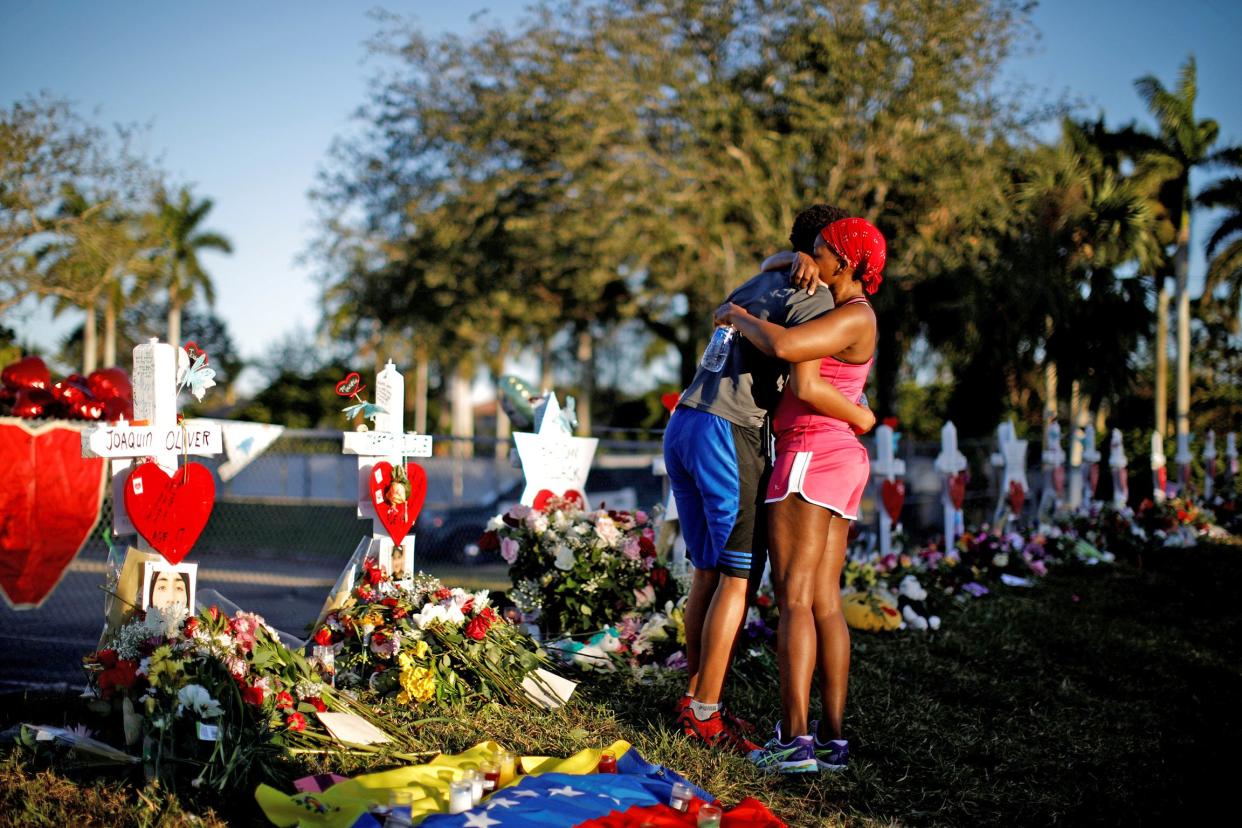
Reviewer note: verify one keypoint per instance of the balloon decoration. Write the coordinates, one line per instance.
(29, 392)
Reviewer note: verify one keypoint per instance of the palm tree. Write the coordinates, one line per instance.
(180, 239)
(1181, 144)
(1224, 246)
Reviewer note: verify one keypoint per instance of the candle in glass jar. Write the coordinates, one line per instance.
(491, 776)
(508, 767)
(679, 799)
(710, 816)
(461, 797)
(607, 762)
(476, 785)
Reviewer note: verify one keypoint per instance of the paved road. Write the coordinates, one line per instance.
(44, 647)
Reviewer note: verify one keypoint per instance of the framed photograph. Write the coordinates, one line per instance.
(166, 585)
(398, 561)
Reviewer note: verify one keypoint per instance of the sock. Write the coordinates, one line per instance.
(703, 711)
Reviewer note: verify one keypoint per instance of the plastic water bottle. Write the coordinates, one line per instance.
(718, 349)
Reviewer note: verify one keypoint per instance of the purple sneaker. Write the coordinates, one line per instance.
(778, 756)
(832, 755)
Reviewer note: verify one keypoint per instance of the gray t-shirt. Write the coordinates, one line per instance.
(750, 384)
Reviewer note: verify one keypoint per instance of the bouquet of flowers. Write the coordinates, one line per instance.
(214, 698)
(577, 571)
(641, 639)
(427, 643)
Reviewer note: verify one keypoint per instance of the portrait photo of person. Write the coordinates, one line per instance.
(167, 586)
(402, 558)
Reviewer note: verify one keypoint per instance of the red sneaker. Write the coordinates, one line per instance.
(736, 722)
(714, 732)
(682, 705)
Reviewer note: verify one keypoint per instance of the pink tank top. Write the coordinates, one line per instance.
(850, 379)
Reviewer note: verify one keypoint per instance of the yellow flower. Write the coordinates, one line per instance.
(418, 684)
(421, 649)
(678, 616)
(164, 669)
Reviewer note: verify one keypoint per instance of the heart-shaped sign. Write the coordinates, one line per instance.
(670, 400)
(957, 489)
(352, 384)
(397, 510)
(170, 511)
(1017, 496)
(50, 497)
(893, 493)
(544, 495)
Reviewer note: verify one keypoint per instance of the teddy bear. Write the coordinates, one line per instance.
(872, 609)
(911, 598)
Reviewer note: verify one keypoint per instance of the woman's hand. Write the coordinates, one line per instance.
(804, 273)
(727, 313)
(864, 421)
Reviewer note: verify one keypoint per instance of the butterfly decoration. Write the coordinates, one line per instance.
(351, 387)
(194, 373)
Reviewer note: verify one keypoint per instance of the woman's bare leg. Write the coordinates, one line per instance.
(797, 531)
(702, 588)
(832, 633)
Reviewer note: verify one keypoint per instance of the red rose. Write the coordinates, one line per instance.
(324, 637)
(490, 615)
(214, 611)
(646, 546)
(489, 542)
(443, 594)
(121, 677)
(467, 607)
(295, 721)
(375, 575)
(252, 695)
(283, 700)
(477, 628)
(659, 577)
(191, 625)
(378, 638)
(399, 612)
(107, 658)
(317, 703)
(389, 602)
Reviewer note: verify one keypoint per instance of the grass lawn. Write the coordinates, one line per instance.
(1101, 696)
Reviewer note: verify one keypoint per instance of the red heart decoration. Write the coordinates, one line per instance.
(893, 493)
(1162, 478)
(352, 384)
(50, 497)
(71, 390)
(670, 400)
(170, 511)
(27, 372)
(397, 519)
(957, 488)
(1093, 478)
(32, 403)
(1017, 496)
(87, 409)
(544, 495)
(109, 383)
(118, 408)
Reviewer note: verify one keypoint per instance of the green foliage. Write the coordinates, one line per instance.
(299, 401)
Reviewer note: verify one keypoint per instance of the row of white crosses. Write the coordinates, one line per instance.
(1184, 458)
(387, 441)
(154, 381)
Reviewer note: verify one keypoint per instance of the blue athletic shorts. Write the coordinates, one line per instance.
(716, 471)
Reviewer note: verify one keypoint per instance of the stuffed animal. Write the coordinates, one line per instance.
(872, 609)
(911, 598)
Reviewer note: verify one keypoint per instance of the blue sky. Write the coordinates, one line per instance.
(244, 99)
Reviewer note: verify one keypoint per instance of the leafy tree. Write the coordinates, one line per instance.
(1224, 247)
(177, 228)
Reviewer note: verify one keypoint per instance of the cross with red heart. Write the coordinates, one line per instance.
(399, 517)
(170, 511)
(893, 493)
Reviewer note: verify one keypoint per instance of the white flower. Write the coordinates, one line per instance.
(564, 558)
(607, 530)
(196, 699)
(496, 524)
(537, 522)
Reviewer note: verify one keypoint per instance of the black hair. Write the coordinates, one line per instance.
(809, 222)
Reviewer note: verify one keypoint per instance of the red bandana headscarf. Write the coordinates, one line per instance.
(862, 246)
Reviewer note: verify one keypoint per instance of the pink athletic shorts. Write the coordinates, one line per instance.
(827, 466)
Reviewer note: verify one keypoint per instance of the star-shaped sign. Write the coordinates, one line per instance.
(552, 460)
(479, 819)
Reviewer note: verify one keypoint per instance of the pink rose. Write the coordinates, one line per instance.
(509, 550)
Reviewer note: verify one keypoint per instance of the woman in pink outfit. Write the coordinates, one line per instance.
(817, 483)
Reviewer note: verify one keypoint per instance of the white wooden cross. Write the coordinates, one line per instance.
(1231, 455)
(552, 458)
(1209, 463)
(1117, 463)
(1090, 471)
(1183, 458)
(1011, 459)
(1053, 458)
(950, 462)
(387, 441)
(886, 467)
(1159, 470)
(154, 380)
